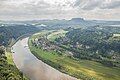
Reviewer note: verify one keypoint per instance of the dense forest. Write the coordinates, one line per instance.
(9, 32)
(96, 43)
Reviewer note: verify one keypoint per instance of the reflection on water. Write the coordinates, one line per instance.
(35, 69)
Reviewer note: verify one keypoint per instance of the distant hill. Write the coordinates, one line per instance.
(55, 23)
(14, 29)
(8, 32)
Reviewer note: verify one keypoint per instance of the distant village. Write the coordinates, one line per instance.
(46, 45)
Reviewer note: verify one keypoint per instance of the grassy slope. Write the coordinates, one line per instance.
(9, 58)
(80, 69)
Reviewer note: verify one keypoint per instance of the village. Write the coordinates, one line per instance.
(44, 44)
(58, 46)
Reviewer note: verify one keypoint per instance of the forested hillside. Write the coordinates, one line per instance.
(9, 32)
(61, 50)
(97, 43)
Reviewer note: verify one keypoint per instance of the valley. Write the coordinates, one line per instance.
(59, 39)
(77, 48)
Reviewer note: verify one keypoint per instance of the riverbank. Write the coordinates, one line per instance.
(9, 54)
(11, 62)
(8, 70)
(35, 69)
(82, 69)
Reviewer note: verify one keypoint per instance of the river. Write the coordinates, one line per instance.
(32, 67)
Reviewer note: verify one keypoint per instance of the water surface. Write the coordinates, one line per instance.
(35, 69)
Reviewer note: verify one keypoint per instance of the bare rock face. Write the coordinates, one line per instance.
(35, 69)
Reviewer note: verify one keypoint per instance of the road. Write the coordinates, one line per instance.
(32, 67)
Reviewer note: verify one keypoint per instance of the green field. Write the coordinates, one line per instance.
(56, 34)
(81, 69)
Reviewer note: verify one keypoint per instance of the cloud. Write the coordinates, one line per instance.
(93, 4)
(111, 5)
(77, 3)
(33, 9)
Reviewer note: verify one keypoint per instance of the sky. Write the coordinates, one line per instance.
(59, 9)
